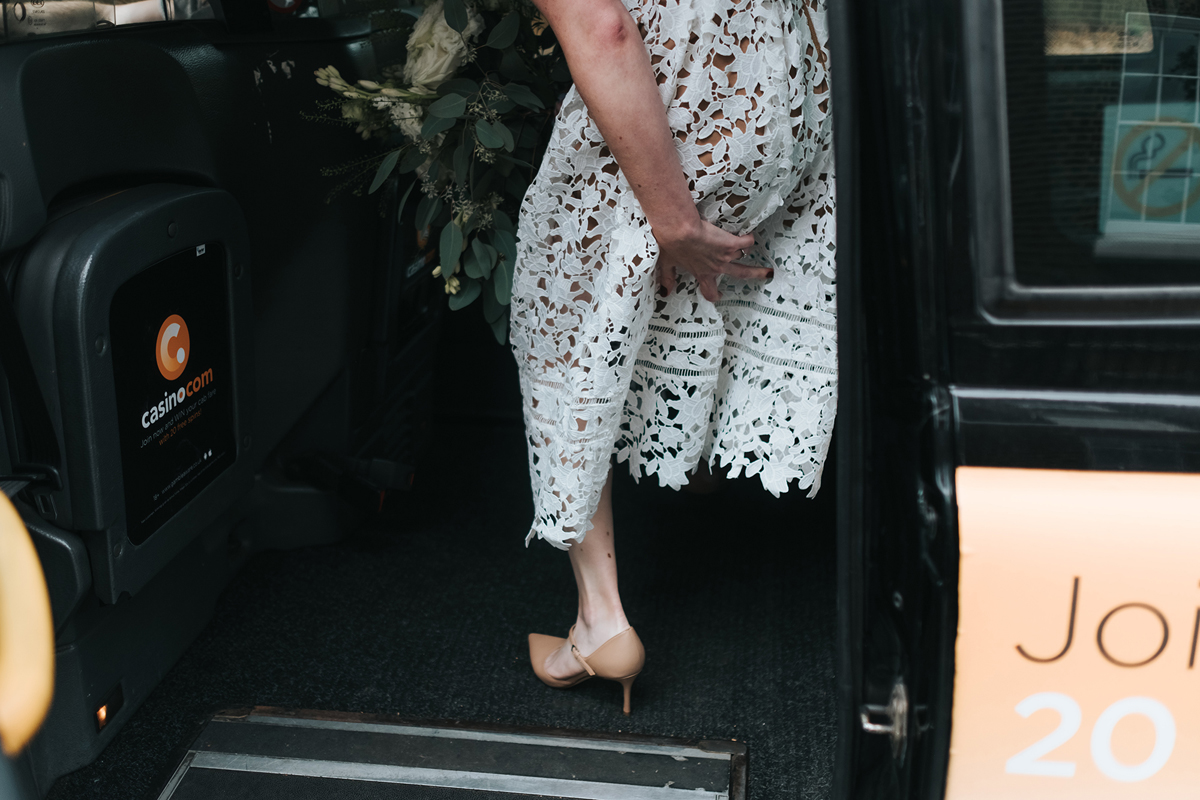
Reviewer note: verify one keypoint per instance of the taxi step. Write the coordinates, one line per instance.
(268, 753)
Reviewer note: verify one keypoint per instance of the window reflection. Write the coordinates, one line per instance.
(25, 18)
(1103, 102)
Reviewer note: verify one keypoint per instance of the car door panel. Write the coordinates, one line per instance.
(987, 320)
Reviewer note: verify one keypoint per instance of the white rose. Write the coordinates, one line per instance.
(407, 118)
(435, 50)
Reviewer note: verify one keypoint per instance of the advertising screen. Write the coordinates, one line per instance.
(174, 383)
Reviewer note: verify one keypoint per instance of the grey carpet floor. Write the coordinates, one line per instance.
(425, 616)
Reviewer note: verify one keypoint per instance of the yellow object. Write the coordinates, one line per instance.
(1079, 615)
(26, 635)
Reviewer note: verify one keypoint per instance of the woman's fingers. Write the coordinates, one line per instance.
(742, 242)
(724, 243)
(707, 256)
(740, 245)
(666, 277)
(745, 272)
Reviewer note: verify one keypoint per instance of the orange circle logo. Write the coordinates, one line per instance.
(173, 348)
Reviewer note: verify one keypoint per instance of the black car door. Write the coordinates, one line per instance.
(1018, 265)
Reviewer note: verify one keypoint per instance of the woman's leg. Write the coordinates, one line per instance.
(600, 613)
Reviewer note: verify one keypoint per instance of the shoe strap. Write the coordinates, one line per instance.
(578, 655)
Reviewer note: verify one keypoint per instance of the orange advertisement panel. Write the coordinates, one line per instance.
(1079, 611)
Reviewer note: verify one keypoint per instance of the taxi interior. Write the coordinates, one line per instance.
(357, 553)
(347, 591)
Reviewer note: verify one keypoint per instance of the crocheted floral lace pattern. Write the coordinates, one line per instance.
(608, 364)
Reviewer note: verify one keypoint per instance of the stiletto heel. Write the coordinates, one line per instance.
(621, 659)
(627, 685)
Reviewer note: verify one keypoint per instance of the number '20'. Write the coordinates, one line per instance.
(1028, 761)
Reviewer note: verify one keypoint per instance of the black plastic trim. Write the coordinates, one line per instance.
(849, 441)
(65, 564)
(1077, 430)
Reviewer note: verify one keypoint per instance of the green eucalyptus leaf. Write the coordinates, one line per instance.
(492, 310)
(484, 256)
(450, 106)
(505, 32)
(435, 169)
(523, 95)
(465, 295)
(427, 211)
(506, 245)
(487, 135)
(462, 160)
(435, 125)
(501, 130)
(502, 283)
(502, 222)
(384, 170)
(500, 329)
(455, 12)
(471, 264)
(450, 247)
(404, 202)
(513, 66)
(423, 211)
(501, 104)
(516, 161)
(412, 159)
(464, 86)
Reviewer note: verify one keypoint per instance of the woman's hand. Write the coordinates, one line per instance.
(705, 251)
(612, 72)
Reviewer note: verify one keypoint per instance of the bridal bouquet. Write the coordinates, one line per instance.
(465, 118)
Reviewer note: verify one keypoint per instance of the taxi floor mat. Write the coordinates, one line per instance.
(267, 753)
(427, 617)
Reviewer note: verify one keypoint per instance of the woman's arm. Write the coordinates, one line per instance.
(612, 72)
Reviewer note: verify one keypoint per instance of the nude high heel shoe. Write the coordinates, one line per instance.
(620, 659)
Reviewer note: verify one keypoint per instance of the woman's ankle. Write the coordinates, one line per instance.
(593, 630)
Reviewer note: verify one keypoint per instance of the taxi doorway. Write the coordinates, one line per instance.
(290, 563)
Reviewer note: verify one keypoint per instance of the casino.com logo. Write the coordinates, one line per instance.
(174, 346)
(171, 351)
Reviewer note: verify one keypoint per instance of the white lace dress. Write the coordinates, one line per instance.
(608, 365)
